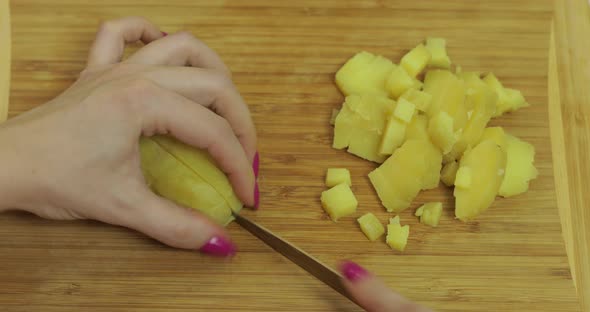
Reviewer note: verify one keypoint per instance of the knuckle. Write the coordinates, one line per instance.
(181, 232)
(221, 82)
(107, 27)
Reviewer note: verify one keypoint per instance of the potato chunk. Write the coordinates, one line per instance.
(486, 163)
(339, 201)
(371, 226)
(438, 53)
(397, 235)
(430, 213)
(448, 95)
(404, 110)
(393, 137)
(335, 176)
(520, 168)
(399, 81)
(449, 172)
(440, 129)
(508, 99)
(415, 60)
(419, 98)
(364, 73)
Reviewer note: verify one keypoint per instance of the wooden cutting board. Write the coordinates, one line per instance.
(284, 55)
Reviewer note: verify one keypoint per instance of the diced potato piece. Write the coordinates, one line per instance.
(397, 235)
(371, 226)
(438, 53)
(514, 99)
(420, 99)
(495, 134)
(430, 213)
(335, 112)
(399, 81)
(508, 99)
(418, 128)
(335, 176)
(364, 73)
(399, 179)
(394, 135)
(360, 124)
(172, 179)
(440, 129)
(463, 177)
(433, 158)
(339, 201)
(404, 110)
(415, 60)
(487, 162)
(482, 101)
(448, 95)
(449, 172)
(520, 168)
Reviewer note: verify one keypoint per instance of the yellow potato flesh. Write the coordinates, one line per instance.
(486, 163)
(448, 95)
(170, 178)
(520, 168)
(364, 73)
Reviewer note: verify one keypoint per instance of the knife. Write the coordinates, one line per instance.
(304, 260)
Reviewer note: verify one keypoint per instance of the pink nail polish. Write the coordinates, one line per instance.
(256, 164)
(352, 271)
(256, 196)
(219, 246)
(164, 33)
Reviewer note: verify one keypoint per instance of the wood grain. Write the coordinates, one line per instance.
(569, 75)
(5, 48)
(284, 55)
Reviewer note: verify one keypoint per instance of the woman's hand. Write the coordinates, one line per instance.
(372, 294)
(77, 156)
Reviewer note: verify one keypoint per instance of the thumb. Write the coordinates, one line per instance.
(178, 226)
(372, 294)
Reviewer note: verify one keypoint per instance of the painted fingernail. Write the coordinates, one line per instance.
(219, 246)
(352, 271)
(164, 33)
(256, 164)
(256, 196)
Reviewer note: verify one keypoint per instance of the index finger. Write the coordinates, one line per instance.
(113, 35)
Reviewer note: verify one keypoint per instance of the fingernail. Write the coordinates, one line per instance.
(352, 271)
(164, 33)
(256, 164)
(219, 246)
(256, 196)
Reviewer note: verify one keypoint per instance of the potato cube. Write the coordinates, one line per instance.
(420, 99)
(336, 176)
(397, 235)
(339, 201)
(364, 73)
(430, 213)
(449, 172)
(514, 99)
(415, 60)
(463, 177)
(438, 53)
(393, 137)
(371, 226)
(404, 110)
(520, 168)
(418, 128)
(440, 129)
(399, 81)
(335, 112)
(448, 95)
(508, 99)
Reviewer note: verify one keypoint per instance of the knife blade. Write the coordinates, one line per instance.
(301, 258)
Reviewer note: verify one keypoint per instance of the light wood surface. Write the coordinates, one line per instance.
(284, 56)
(569, 106)
(5, 48)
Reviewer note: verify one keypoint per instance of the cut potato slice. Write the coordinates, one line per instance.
(404, 110)
(364, 73)
(371, 226)
(393, 137)
(448, 95)
(430, 213)
(449, 172)
(339, 201)
(508, 99)
(520, 168)
(419, 98)
(495, 134)
(440, 130)
(418, 128)
(486, 163)
(399, 81)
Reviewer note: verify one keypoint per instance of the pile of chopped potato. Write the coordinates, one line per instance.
(422, 131)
